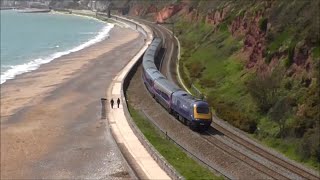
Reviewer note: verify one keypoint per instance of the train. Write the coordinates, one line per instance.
(191, 111)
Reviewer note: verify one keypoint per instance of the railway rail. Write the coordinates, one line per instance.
(256, 157)
(278, 161)
(232, 151)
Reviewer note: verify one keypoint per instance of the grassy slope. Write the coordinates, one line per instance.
(215, 66)
(185, 165)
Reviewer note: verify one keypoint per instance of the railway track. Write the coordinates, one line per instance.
(242, 149)
(277, 161)
(167, 66)
(232, 151)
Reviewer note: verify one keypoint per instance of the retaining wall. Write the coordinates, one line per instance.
(124, 86)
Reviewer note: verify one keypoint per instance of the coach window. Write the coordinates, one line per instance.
(165, 96)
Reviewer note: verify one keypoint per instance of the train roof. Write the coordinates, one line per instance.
(186, 96)
(148, 64)
(148, 57)
(157, 40)
(152, 48)
(155, 74)
(167, 86)
(150, 52)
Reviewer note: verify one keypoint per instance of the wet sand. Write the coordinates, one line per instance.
(51, 124)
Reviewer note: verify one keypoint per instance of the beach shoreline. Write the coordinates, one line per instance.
(41, 108)
(27, 74)
(35, 62)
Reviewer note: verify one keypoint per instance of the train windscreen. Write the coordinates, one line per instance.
(203, 110)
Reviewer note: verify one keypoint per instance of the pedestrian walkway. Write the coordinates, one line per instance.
(122, 131)
(124, 135)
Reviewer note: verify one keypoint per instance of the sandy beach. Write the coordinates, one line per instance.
(51, 124)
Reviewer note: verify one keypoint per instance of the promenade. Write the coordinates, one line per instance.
(137, 156)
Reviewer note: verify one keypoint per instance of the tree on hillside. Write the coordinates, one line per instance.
(280, 113)
(264, 89)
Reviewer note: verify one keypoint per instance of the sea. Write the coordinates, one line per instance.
(29, 40)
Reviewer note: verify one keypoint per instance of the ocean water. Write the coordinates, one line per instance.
(31, 39)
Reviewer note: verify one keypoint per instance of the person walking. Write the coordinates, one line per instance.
(118, 102)
(112, 102)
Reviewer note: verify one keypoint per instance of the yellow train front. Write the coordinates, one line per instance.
(193, 112)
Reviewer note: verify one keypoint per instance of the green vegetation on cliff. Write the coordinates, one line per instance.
(258, 65)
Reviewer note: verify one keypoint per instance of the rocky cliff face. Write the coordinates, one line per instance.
(254, 38)
(167, 12)
(246, 24)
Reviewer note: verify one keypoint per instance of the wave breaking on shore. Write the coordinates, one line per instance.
(36, 63)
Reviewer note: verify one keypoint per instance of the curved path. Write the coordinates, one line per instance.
(51, 124)
(133, 150)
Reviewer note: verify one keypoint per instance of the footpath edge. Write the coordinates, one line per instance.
(125, 80)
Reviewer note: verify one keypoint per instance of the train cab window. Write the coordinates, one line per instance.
(203, 110)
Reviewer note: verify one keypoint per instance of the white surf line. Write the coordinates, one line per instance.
(35, 63)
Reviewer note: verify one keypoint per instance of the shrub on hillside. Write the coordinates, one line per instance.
(289, 61)
(196, 69)
(280, 113)
(301, 126)
(264, 25)
(235, 117)
(264, 90)
(268, 57)
(288, 85)
(308, 112)
(310, 144)
(183, 75)
(207, 82)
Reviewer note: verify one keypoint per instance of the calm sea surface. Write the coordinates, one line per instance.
(29, 40)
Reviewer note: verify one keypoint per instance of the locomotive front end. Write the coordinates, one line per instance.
(202, 115)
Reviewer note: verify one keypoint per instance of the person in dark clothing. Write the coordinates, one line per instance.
(118, 102)
(112, 102)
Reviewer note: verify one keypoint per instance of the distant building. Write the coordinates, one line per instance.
(25, 3)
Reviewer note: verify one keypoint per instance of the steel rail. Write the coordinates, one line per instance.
(267, 155)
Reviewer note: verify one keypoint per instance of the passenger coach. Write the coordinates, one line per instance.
(192, 111)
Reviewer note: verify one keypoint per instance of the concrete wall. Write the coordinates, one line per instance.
(153, 152)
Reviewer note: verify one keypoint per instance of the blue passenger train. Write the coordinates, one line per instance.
(191, 111)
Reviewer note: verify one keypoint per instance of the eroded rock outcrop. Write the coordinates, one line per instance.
(254, 39)
(167, 12)
(215, 17)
